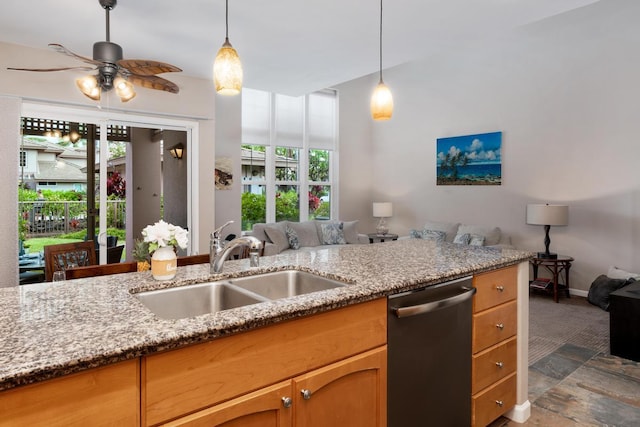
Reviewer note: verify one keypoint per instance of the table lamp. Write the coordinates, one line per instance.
(382, 210)
(547, 215)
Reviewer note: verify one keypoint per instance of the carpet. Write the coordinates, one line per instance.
(571, 321)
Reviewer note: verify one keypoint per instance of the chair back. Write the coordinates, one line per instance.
(192, 259)
(114, 254)
(67, 255)
(100, 270)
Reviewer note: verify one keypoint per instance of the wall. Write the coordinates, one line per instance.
(228, 139)
(563, 92)
(9, 133)
(174, 176)
(196, 101)
(144, 179)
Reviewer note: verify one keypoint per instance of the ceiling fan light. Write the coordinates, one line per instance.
(227, 70)
(88, 85)
(381, 102)
(124, 89)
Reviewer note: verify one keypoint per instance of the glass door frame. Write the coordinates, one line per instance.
(102, 119)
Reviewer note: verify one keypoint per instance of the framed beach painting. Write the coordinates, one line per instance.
(469, 159)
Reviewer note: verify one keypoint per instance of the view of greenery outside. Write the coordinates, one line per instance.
(76, 207)
(287, 198)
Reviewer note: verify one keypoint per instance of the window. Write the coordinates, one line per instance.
(289, 148)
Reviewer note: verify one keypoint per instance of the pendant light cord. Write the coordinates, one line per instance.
(380, 40)
(226, 20)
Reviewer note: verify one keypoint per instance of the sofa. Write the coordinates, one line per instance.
(454, 232)
(283, 236)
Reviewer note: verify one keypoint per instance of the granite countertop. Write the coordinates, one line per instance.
(53, 329)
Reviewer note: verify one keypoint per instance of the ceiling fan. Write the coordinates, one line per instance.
(113, 70)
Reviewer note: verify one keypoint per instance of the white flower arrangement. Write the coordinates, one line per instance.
(163, 234)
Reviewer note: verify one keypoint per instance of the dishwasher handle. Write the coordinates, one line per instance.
(434, 305)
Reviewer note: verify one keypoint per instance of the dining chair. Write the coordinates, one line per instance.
(67, 255)
(192, 259)
(114, 254)
(100, 270)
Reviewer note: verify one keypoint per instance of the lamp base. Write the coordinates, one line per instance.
(547, 255)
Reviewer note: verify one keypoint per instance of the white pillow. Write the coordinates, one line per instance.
(616, 273)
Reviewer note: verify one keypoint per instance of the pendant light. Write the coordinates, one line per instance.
(227, 69)
(381, 100)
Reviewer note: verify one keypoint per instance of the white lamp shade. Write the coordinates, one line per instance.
(547, 214)
(382, 209)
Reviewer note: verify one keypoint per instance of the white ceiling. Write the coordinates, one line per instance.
(286, 46)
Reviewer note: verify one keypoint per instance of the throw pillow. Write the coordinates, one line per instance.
(277, 237)
(616, 273)
(292, 237)
(462, 239)
(602, 287)
(415, 234)
(350, 229)
(438, 236)
(476, 240)
(333, 234)
(307, 233)
(491, 234)
(449, 228)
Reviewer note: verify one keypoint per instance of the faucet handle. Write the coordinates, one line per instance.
(217, 231)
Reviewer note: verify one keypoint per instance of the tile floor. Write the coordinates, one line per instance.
(574, 385)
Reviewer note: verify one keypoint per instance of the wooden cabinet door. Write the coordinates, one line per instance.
(352, 392)
(262, 408)
(109, 395)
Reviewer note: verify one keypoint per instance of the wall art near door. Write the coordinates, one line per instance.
(469, 159)
(224, 173)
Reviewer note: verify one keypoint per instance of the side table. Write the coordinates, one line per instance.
(375, 237)
(555, 266)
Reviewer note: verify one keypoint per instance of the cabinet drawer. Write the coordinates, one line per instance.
(493, 402)
(494, 288)
(185, 380)
(494, 325)
(493, 364)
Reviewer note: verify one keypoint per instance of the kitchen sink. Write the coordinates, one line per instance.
(194, 300)
(283, 284)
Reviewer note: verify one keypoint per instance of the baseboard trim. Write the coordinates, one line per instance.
(579, 292)
(520, 413)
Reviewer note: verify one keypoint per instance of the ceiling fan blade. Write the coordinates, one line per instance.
(52, 69)
(61, 49)
(145, 67)
(153, 82)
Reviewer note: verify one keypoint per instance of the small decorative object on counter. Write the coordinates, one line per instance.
(162, 238)
(141, 255)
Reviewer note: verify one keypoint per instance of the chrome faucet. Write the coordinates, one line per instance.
(219, 251)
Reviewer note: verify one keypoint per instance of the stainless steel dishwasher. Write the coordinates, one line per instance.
(429, 356)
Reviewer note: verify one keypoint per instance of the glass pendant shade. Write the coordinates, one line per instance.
(124, 89)
(381, 102)
(88, 85)
(227, 70)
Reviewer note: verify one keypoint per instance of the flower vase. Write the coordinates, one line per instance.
(164, 264)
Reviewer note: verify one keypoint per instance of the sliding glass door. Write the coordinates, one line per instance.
(104, 178)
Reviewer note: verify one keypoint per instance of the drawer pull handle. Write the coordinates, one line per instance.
(500, 326)
(306, 394)
(287, 402)
(500, 403)
(500, 288)
(500, 364)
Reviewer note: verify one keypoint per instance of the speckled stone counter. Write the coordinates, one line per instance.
(53, 329)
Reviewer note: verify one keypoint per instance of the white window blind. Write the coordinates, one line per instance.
(289, 121)
(322, 112)
(256, 117)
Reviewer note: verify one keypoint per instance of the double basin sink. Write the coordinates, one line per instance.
(202, 298)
